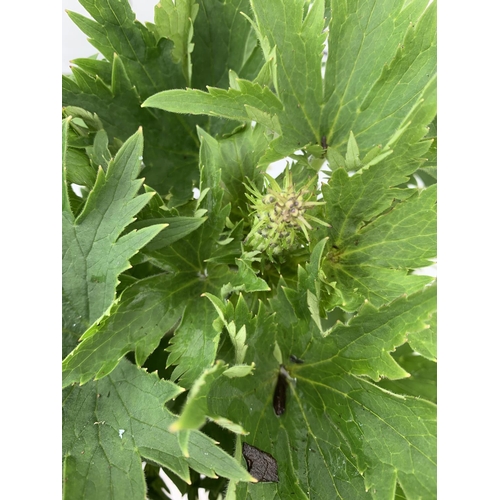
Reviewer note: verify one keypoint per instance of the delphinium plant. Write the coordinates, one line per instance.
(255, 334)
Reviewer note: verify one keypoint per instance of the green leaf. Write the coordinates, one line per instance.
(246, 278)
(81, 171)
(239, 371)
(87, 150)
(94, 254)
(422, 382)
(238, 336)
(352, 161)
(306, 301)
(373, 261)
(298, 43)
(237, 156)
(194, 345)
(251, 101)
(175, 22)
(115, 31)
(178, 228)
(363, 346)
(409, 144)
(145, 312)
(194, 411)
(136, 66)
(223, 40)
(425, 341)
(226, 104)
(110, 426)
(65, 198)
(340, 436)
(349, 100)
(189, 254)
(381, 54)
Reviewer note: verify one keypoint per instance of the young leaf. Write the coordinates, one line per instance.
(111, 425)
(237, 155)
(194, 412)
(174, 21)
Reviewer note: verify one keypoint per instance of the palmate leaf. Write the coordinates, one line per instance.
(340, 436)
(137, 322)
(140, 62)
(139, 66)
(366, 92)
(356, 199)
(94, 253)
(298, 40)
(381, 54)
(353, 201)
(110, 426)
(353, 327)
(152, 306)
(375, 262)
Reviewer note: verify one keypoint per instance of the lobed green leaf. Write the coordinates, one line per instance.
(110, 426)
(339, 436)
(94, 253)
(375, 260)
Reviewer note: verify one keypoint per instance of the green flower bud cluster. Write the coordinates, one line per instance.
(280, 216)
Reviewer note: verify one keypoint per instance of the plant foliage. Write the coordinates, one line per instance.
(181, 311)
